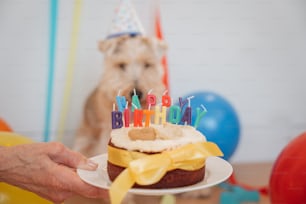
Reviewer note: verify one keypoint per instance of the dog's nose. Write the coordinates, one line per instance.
(138, 93)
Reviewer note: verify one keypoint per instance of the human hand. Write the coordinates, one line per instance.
(47, 169)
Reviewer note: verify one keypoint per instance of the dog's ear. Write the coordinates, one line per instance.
(112, 45)
(106, 46)
(109, 46)
(159, 45)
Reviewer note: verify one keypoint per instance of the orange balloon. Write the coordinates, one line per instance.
(4, 126)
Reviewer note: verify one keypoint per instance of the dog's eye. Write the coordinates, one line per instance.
(122, 66)
(147, 65)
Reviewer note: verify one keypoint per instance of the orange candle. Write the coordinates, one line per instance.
(148, 114)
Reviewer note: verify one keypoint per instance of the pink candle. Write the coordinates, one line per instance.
(151, 99)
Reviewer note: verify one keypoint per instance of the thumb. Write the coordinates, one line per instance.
(62, 155)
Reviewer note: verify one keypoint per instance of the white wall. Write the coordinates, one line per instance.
(252, 52)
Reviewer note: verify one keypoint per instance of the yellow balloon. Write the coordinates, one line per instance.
(11, 139)
(10, 194)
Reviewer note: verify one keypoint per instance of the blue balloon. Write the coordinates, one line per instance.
(220, 124)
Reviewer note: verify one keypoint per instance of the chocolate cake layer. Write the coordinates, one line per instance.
(172, 179)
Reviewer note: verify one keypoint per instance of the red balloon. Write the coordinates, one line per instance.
(288, 177)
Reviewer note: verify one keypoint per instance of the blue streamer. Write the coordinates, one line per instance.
(52, 42)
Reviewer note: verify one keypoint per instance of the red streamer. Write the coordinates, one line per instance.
(263, 190)
(159, 35)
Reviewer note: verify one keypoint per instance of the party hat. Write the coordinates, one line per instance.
(125, 21)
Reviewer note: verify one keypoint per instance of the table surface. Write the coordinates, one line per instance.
(251, 174)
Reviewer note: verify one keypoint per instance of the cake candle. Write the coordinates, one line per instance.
(160, 115)
(166, 99)
(121, 101)
(186, 118)
(148, 113)
(126, 115)
(199, 115)
(135, 101)
(116, 118)
(151, 99)
(138, 115)
(182, 102)
(174, 114)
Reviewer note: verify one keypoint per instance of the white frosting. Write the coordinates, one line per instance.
(168, 137)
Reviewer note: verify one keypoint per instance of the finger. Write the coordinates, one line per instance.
(67, 157)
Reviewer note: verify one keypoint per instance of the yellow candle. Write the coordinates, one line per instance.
(160, 115)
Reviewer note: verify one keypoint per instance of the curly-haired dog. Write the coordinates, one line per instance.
(130, 64)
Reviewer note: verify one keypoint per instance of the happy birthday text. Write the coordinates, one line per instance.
(161, 113)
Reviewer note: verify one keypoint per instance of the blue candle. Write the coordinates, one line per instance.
(135, 102)
(121, 103)
(174, 114)
(200, 115)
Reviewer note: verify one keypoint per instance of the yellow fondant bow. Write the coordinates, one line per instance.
(147, 169)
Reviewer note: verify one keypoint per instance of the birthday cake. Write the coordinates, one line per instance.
(155, 140)
(160, 149)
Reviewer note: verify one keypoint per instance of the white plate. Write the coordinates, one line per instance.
(217, 171)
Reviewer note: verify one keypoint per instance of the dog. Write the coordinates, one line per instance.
(132, 65)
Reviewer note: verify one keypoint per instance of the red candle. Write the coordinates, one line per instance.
(138, 114)
(126, 115)
(166, 100)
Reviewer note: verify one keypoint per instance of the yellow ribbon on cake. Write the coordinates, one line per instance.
(147, 169)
